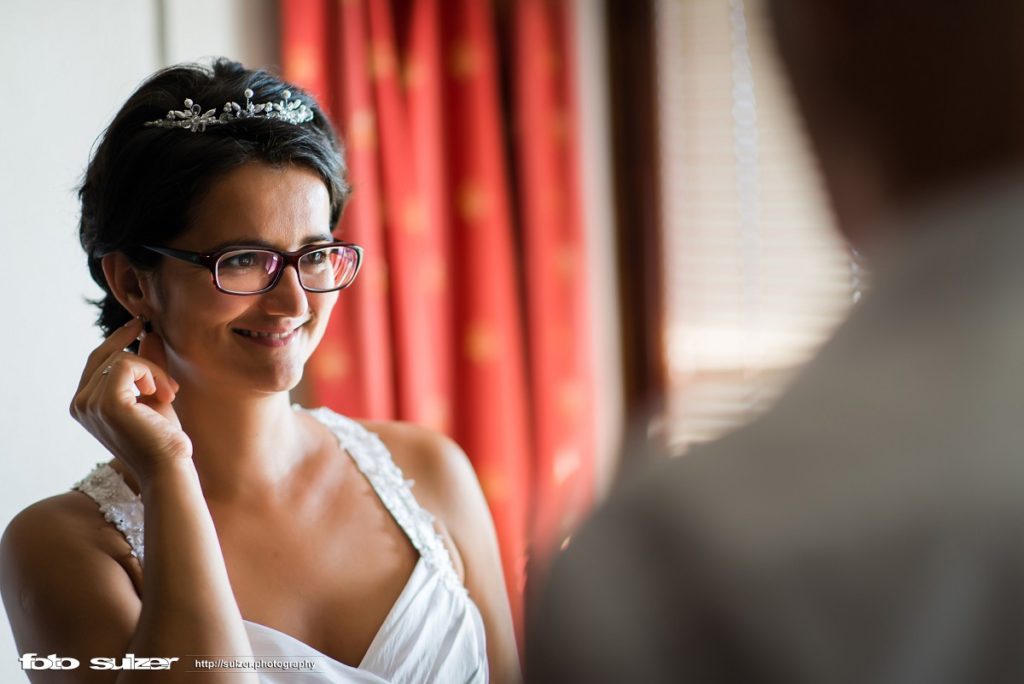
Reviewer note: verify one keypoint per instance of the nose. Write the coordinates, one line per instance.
(287, 298)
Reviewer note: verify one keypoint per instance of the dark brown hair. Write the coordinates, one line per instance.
(143, 182)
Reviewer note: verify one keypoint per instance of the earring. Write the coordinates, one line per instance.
(147, 327)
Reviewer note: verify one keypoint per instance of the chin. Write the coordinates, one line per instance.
(266, 376)
(276, 380)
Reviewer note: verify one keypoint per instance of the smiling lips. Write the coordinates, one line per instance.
(267, 339)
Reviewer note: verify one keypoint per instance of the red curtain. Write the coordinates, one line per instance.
(470, 314)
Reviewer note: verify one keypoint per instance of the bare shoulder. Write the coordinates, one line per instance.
(64, 524)
(444, 481)
(62, 571)
(440, 469)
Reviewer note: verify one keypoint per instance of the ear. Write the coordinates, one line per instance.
(130, 285)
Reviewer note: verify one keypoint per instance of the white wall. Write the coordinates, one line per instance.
(245, 30)
(67, 67)
(598, 200)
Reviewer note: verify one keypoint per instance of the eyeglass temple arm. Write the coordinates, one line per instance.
(190, 257)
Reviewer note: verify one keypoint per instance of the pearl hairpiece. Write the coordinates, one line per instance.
(193, 118)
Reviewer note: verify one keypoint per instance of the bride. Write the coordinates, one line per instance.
(230, 524)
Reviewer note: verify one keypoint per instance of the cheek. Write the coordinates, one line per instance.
(322, 305)
(190, 315)
(191, 296)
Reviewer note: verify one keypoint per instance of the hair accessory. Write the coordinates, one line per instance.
(193, 118)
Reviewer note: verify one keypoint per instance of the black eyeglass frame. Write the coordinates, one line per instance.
(209, 261)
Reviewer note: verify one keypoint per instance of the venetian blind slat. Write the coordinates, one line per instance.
(746, 306)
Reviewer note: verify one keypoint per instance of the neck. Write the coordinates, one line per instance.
(242, 445)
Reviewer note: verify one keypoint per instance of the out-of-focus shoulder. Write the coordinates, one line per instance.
(58, 517)
(63, 570)
(59, 528)
(40, 536)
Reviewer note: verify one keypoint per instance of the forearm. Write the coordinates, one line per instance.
(188, 607)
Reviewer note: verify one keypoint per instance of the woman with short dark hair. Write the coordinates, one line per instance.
(237, 525)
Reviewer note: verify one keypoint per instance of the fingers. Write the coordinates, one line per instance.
(118, 340)
(128, 371)
(152, 349)
(128, 377)
(135, 375)
(126, 400)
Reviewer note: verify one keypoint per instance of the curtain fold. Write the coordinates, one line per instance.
(470, 314)
(546, 145)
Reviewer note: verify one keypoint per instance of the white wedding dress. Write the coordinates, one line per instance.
(433, 633)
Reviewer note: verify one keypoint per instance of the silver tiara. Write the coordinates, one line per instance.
(193, 118)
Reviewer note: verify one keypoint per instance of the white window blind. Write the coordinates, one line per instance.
(756, 275)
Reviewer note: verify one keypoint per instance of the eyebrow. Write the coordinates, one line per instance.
(259, 242)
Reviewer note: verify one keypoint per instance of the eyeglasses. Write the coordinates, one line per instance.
(241, 270)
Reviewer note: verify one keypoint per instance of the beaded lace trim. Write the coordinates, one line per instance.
(123, 508)
(118, 503)
(374, 460)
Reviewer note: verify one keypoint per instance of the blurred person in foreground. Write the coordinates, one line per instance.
(870, 527)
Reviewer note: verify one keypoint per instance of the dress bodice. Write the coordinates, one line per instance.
(433, 632)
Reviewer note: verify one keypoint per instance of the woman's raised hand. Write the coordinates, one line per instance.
(124, 400)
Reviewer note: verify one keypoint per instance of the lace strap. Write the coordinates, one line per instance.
(374, 460)
(117, 502)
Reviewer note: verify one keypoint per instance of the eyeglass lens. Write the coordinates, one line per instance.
(252, 270)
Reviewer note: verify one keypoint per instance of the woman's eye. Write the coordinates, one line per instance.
(318, 257)
(237, 261)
